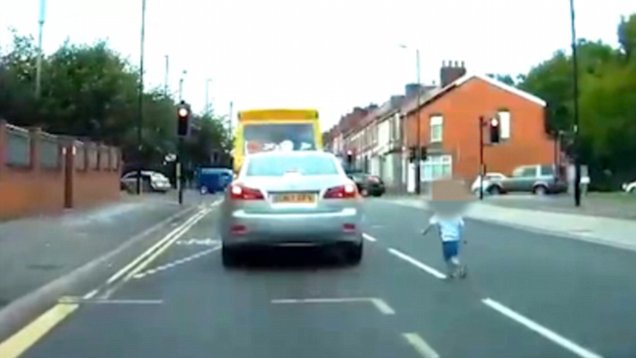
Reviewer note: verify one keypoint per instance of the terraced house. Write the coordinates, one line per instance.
(448, 117)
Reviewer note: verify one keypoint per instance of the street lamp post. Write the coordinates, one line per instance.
(165, 78)
(575, 90)
(140, 117)
(207, 95)
(418, 153)
(38, 69)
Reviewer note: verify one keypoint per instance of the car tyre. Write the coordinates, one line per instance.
(540, 190)
(229, 257)
(493, 190)
(203, 190)
(354, 253)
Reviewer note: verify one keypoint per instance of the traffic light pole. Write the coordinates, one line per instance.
(418, 154)
(481, 158)
(179, 168)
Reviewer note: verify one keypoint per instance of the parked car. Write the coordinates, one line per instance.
(289, 199)
(488, 179)
(150, 181)
(537, 179)
(367, 184)
(630, 187)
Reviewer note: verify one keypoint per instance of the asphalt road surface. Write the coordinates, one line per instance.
(526, 295)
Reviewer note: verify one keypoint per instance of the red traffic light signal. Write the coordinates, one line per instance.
(183, 118)
(494, 130)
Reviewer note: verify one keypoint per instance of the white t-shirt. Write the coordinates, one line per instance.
(450, 228)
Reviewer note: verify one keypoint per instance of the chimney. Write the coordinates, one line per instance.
(451, 71)
(411, 89)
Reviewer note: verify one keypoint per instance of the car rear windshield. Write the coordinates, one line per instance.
(281, 165)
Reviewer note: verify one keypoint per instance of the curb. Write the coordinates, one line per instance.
(585, 238)
(21, 311)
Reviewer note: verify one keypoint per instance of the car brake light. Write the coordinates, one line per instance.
(347, 191)
(240, 192)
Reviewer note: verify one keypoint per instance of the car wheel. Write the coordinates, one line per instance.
(364, 192)
(540, 190)
(494, 190)
(632, 190)
(354, 253)
(230, 257)
(203, 190)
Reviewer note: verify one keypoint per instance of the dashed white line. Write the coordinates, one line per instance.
(545, 332)
(417, 263)
(369, 237)
(420, 345)
(379, 303)
(90, 294)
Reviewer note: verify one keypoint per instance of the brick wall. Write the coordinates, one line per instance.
(461, 108)
(41, 173)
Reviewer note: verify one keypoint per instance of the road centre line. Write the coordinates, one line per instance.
(417, 263)
(379, 303)
(545, 332)
(22, 340)
(420, 345)
(70, 300)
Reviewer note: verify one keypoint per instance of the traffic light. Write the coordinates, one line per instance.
(413, 154)
(494, 128)
(349, 158)
(183, 118)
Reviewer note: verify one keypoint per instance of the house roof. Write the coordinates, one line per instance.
(428, 97)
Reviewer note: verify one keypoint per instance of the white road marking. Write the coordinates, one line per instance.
(201, 242)
(72, 300)
(417, 263)
(545, 332)
(90, 294)
(175, 263)
(154, 247)
(379, 303)
(369, 237)
(420, 345)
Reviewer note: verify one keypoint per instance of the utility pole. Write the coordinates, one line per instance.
(230, 118)
(140, 118)
(575, 90)
(183, 73)
(165, 79)
(482, 124)
(38, 70)
(418, 154)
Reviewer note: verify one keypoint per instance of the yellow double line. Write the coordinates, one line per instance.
(21, 341)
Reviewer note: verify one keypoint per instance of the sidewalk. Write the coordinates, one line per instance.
(609, 231)
(36, 251)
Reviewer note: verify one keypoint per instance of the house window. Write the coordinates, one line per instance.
(436, 127)
(437, 167)
(504, 119)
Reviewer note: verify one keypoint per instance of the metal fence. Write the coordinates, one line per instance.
(18, 146)
(49, 151)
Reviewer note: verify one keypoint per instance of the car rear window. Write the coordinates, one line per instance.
(280, 165)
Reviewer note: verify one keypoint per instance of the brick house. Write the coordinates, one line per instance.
(449, 126)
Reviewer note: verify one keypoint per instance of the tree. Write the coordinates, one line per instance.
(90, 91)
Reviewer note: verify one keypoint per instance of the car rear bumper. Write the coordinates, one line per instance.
(241, 228)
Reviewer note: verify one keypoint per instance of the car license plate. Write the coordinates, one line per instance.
(295, 198)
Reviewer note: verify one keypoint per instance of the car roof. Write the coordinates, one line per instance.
(291, 153)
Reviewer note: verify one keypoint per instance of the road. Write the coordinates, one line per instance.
(527, 295)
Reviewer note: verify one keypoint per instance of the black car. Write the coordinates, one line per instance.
(367, 184)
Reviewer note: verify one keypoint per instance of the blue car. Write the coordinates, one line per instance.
(212, 180)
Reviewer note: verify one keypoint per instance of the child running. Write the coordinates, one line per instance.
(450, 229)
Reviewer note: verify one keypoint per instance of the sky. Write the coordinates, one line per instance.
(331, 55)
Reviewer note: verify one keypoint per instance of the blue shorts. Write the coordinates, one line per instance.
(450, 249)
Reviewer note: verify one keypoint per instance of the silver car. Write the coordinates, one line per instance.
(290, 199)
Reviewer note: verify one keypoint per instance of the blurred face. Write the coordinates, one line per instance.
(450, 198)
